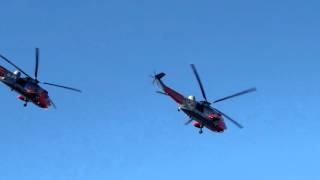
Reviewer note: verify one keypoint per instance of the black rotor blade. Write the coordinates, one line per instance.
(199, 81)
(230, 119)
(37, 64)
(153, 79)
(162, 93)
(237, 94)
(8, 61)
(65, 87)
(52, 103)
(188, 122)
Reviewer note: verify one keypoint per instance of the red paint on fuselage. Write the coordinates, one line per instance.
(41, 99)
(2, 71)
(214, 116)
(197, 124)
(174, 95)
(37, 95)
(220, 127)
(22, 98)
(44, 101)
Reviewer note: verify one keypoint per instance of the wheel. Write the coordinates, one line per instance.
(200, 132)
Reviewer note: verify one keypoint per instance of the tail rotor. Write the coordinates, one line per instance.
(153, 77)
(157, 77)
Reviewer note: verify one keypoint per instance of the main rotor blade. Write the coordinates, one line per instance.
(52, 103)
(8, 61)
(199, 81)
(60, 86)
(37, 64)
(188, 122)
(229, 118)
(237, 94)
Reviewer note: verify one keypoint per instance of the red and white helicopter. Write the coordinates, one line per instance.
(200, 112)
(28, 87)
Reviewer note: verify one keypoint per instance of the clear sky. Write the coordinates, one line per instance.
(118, 128)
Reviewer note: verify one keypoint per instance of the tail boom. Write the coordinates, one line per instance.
(168, 91)
(174, 95)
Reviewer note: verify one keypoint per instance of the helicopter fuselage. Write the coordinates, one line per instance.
(206, 117)
(202, 114)
(29, 90)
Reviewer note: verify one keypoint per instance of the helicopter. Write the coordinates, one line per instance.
(28, 87)
(201, 113)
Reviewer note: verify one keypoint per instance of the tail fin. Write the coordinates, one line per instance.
(157, 79)
(159, 76)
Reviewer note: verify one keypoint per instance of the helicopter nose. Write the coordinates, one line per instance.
(44, 101)
(222, 126)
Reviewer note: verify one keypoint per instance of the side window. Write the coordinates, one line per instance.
(199, 107)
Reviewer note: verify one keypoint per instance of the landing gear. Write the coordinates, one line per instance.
(200, 132)
(25, 104)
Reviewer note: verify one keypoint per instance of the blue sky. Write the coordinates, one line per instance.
(118, 128)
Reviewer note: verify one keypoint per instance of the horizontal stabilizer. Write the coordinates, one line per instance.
(159, 92)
